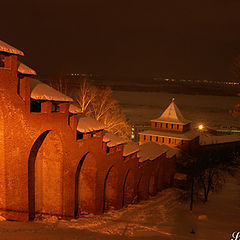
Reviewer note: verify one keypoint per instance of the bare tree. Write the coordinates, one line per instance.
(104, 103)
(218, 163)
(212, 179)
(116, 123)
(96, 102)
(99, 103)
(207, 170)
(86, 96)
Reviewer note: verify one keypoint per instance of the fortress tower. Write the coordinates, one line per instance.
(171, 129)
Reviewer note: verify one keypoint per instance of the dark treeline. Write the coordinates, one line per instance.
(207, 169)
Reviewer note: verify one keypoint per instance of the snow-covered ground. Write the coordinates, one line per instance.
(161, 217)
(141, 107)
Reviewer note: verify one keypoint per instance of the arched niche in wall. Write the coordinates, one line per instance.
(152, 185)
(85, 185)
(110, 200)
(128, 189)
(160, 175)
(45, 169)
(167, 177)
(140, 188)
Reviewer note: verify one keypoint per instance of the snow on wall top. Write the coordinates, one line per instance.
(150, 151)
(42, 91)
(172, 115)
(189, 135)
(24, 69)
(206, 139)
(130, 148)
(112, 139)
(87, 124)
(4, 47)
(170, 151)
(74, 109)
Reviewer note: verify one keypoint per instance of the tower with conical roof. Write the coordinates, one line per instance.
(171, 129)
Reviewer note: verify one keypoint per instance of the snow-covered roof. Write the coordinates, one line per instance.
(189, 135)
(207, 139)
(130, 148)
(42, 91)
(4, 47)
(74, 109)
(24, 69)
(87, 124)
(112, 139)
(150, 151)
(172, 115)
(170, 151)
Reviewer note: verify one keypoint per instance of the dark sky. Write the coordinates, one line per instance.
(183, 39)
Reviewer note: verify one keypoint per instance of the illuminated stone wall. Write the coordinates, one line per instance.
(45, 170)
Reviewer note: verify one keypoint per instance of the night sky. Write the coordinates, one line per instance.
(182, 39)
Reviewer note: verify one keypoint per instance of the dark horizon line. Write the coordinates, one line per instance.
(125, 77)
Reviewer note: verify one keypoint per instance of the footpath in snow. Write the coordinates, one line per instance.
(161, 217)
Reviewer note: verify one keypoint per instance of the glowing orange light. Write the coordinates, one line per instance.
(200, 127)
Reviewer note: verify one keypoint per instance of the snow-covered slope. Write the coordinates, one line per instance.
(160, 217)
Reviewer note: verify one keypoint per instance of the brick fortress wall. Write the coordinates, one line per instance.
(44, 169)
